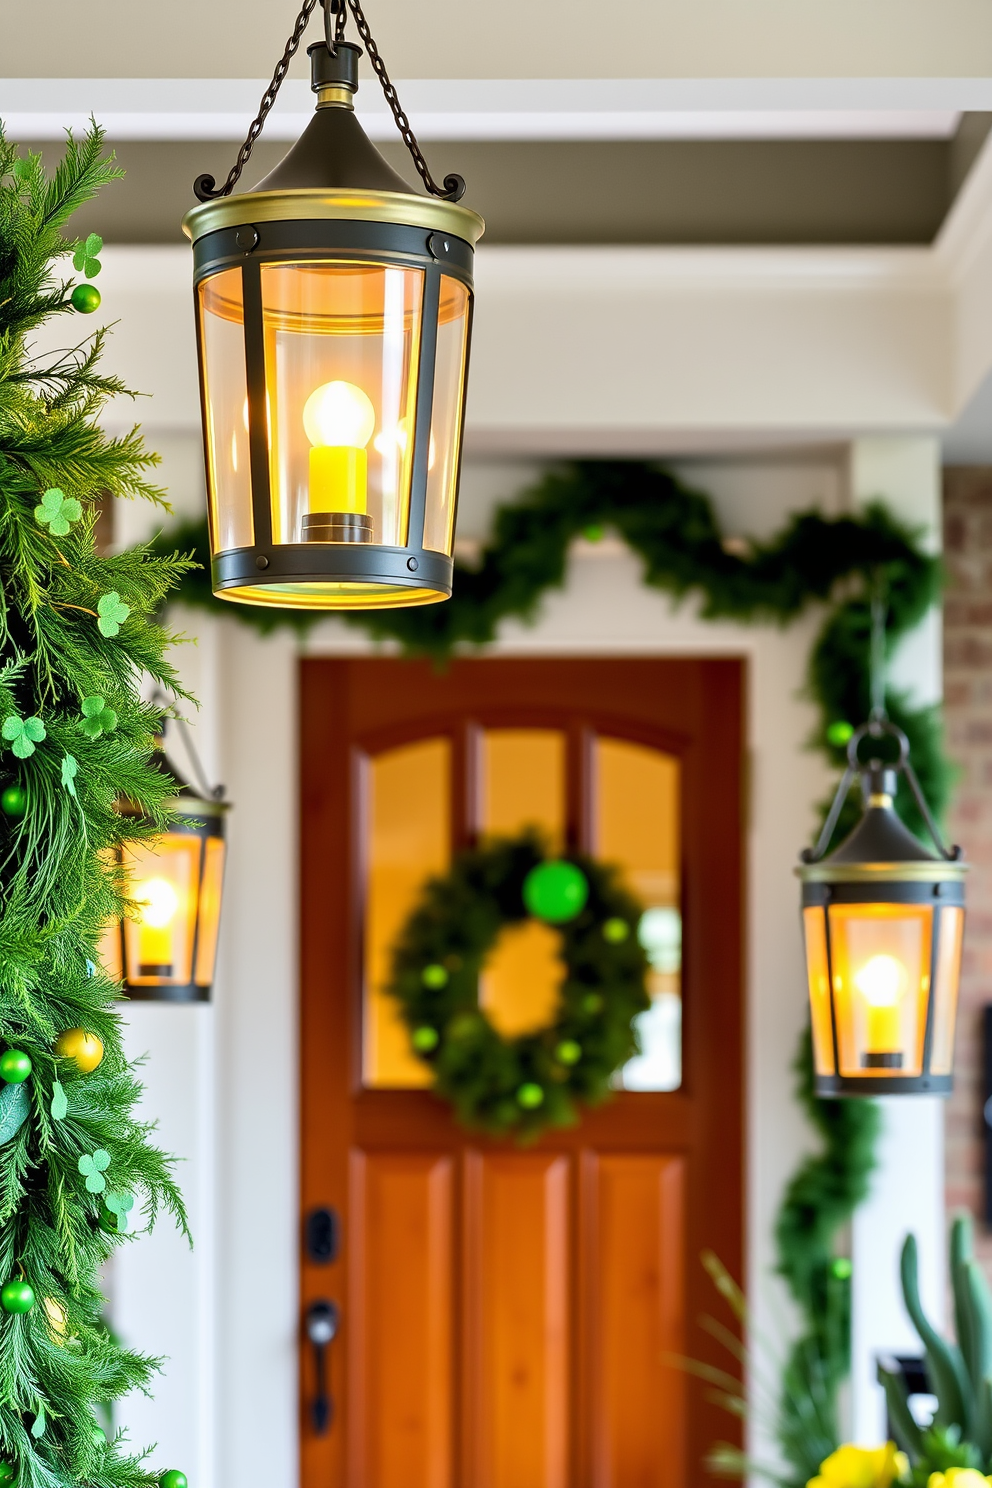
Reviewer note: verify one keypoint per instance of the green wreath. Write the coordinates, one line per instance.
(523, 1084)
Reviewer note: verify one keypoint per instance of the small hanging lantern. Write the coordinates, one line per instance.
(883, 920)
(168, 953)
(333, 310)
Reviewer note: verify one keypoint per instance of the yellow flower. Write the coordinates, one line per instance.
(867, 1467)
(958, 1477)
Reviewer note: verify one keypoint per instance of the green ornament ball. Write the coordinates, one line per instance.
(838, 733)
(15, 1066)
(841, 1268)
(172, 1479)
(568, 1052)
(530, 1096)
(592, 1003)
(616, 931)
(424, 1039)
(14, 801)
(594, 533)
(85, 298)
(434, 977)
(556, 891)
(8, 1472)
(16, 1296)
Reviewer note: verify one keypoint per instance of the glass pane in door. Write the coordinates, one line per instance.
(407, 839)
(523, 785)
(637, 826)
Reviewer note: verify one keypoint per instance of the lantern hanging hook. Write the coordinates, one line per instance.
(205, 187)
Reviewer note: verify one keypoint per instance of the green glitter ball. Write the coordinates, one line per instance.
(838, 733)
(593, 533)
(15, 1066)
(85, 298)
(16, 1296)
(616, 931)
(424, 1039)
(8, 1472)
(555, 891)
(841, 1268)
(14, 801)
(434, 977)
(530, 1096)
(568, 1052)
(592, 1002)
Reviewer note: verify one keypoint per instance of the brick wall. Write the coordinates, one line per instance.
(968, 704)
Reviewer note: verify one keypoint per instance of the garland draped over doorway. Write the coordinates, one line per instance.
(839, 563)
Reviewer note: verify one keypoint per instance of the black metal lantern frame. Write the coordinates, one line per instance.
(904, 906)
(333, 206)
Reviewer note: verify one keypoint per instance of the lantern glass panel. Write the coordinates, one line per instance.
(209, 925)
(447, 416)
(342, 348)
(947, 975)
(880, 956)
(225, 401)
(818, 976)
(164, 878)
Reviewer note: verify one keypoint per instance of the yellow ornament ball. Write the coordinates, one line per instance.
(84, 1048)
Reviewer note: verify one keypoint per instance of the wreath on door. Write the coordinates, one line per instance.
(521, 1084)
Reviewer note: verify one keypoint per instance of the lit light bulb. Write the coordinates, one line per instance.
(159, 905)
(159, 902)
(880, 982)
(339, 419)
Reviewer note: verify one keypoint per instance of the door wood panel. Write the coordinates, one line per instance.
(509, 1315)
(401, 1311)
(517, 1297)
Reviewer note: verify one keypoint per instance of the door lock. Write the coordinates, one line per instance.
(321, 1322)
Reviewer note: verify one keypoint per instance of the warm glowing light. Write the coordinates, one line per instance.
(880, 981)
(159, 902)
(339, 414)
(389, 441)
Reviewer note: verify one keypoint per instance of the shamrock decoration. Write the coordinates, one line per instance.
(22, 734)
(97, 717)
(57, 511)
(70, 769)
(85, 260)
(120, 1205)
(93, 1168)
(112, 613)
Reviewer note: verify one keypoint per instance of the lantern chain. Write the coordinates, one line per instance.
(876, 665)
(205, 187)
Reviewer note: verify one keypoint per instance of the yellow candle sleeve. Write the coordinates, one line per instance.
(884, 1035)
(338, 479)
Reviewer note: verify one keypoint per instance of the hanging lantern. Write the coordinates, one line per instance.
(168, 952)
(884, 922)
(333, 310)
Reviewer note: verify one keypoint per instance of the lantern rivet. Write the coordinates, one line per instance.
(412, 564)
(261, 561)
(247, 238)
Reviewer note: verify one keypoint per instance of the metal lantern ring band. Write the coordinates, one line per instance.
(334, 313)
(883, 920)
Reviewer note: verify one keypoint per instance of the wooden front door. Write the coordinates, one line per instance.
(511, 1317)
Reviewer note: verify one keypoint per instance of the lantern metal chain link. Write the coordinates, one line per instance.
(205, 187)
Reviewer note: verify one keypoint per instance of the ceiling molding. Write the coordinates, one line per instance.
(533, 109)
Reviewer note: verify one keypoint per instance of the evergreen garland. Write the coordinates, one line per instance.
(838, 563)
(78, 633)
(519, 1084)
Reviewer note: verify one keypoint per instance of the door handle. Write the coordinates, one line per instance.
(321, 1322)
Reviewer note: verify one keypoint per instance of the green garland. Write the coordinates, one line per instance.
(837, 563)
(521, 1084)
(78, 634)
